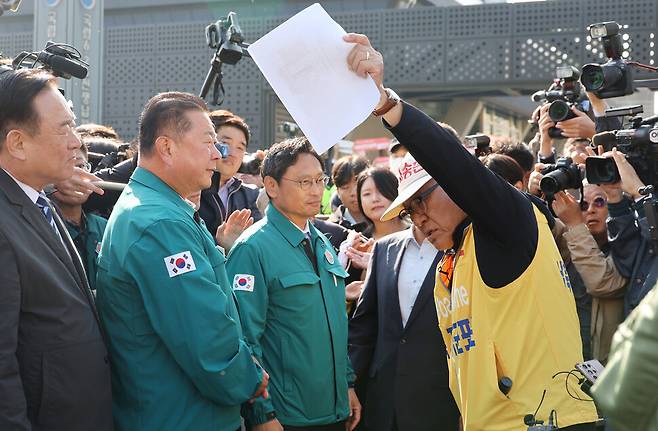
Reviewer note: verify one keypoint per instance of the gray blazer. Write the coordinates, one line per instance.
(54, 369)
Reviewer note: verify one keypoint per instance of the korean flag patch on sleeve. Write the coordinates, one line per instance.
(243, 282)
(180, 263)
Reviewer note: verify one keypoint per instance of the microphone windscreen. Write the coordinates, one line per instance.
(607, 139)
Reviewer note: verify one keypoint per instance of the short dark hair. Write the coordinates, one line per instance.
(100, 145)
(285, 154)
(166, 110)
(222, 117)
(505, 166)
(520, 153)
(347, 168)
(385, 181)
(18, 89)
(96, 131)
(450, 130)
(250, 165)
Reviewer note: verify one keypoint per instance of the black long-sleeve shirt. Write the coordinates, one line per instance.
(504, 224)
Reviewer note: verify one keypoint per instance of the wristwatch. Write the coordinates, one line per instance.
(393, 99)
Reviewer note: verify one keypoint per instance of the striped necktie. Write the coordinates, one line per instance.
(44, 205)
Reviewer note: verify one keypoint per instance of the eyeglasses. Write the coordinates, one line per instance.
(598, 202)
(418, 204)
(306, 184)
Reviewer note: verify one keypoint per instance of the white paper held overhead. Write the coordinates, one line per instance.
(305, 61)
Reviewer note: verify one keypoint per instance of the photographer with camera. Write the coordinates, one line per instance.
(563, 112)
(581, 126)
(500, 271)
(589, 251)
(631, 246)
(249, 172)
(86, 229)
(227, 193)
(114, 167)
(632, 224)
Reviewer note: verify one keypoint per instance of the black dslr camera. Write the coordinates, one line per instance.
(614, 78)
(638, 142)
(225, 37)
(479, 143)
(563, 95)
(562, 175)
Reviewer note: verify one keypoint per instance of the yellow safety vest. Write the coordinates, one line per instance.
(527, 331)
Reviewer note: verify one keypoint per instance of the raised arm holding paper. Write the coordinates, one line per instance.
(500, 261)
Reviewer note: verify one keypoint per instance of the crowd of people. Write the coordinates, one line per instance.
(177, 282)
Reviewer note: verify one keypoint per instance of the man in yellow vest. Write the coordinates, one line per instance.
(504, 302)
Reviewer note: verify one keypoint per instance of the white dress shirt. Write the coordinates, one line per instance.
(223, 192)
(29, 191)
(416, 262)
(33, 195)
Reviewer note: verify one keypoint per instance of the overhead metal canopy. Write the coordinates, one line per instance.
(431, 52)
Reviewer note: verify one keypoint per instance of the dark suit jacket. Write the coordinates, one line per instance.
(240, 196)
(406, 368)
(54, 372)
(334, 232)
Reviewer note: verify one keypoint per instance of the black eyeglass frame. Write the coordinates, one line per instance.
(407, 211)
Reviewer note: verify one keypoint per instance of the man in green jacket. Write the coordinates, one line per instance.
(627, 391)
(86, 229)
(291, 291)
(179, 360)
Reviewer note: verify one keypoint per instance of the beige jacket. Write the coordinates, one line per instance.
(603, 282)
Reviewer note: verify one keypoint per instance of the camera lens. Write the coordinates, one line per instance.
(564, 177)
(601, 170)
(559, 111)
(550, 184)
(592, 77)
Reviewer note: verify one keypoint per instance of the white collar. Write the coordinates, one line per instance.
(227, 184)
(306, 231)
(412, 238)
(28, 190)
(348, 217)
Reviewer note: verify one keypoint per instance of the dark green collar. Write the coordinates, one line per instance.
(148, 179)
(290, 232)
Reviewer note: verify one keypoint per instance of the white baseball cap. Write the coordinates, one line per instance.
(411, 177)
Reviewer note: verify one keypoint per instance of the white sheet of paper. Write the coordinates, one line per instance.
(305, 61)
